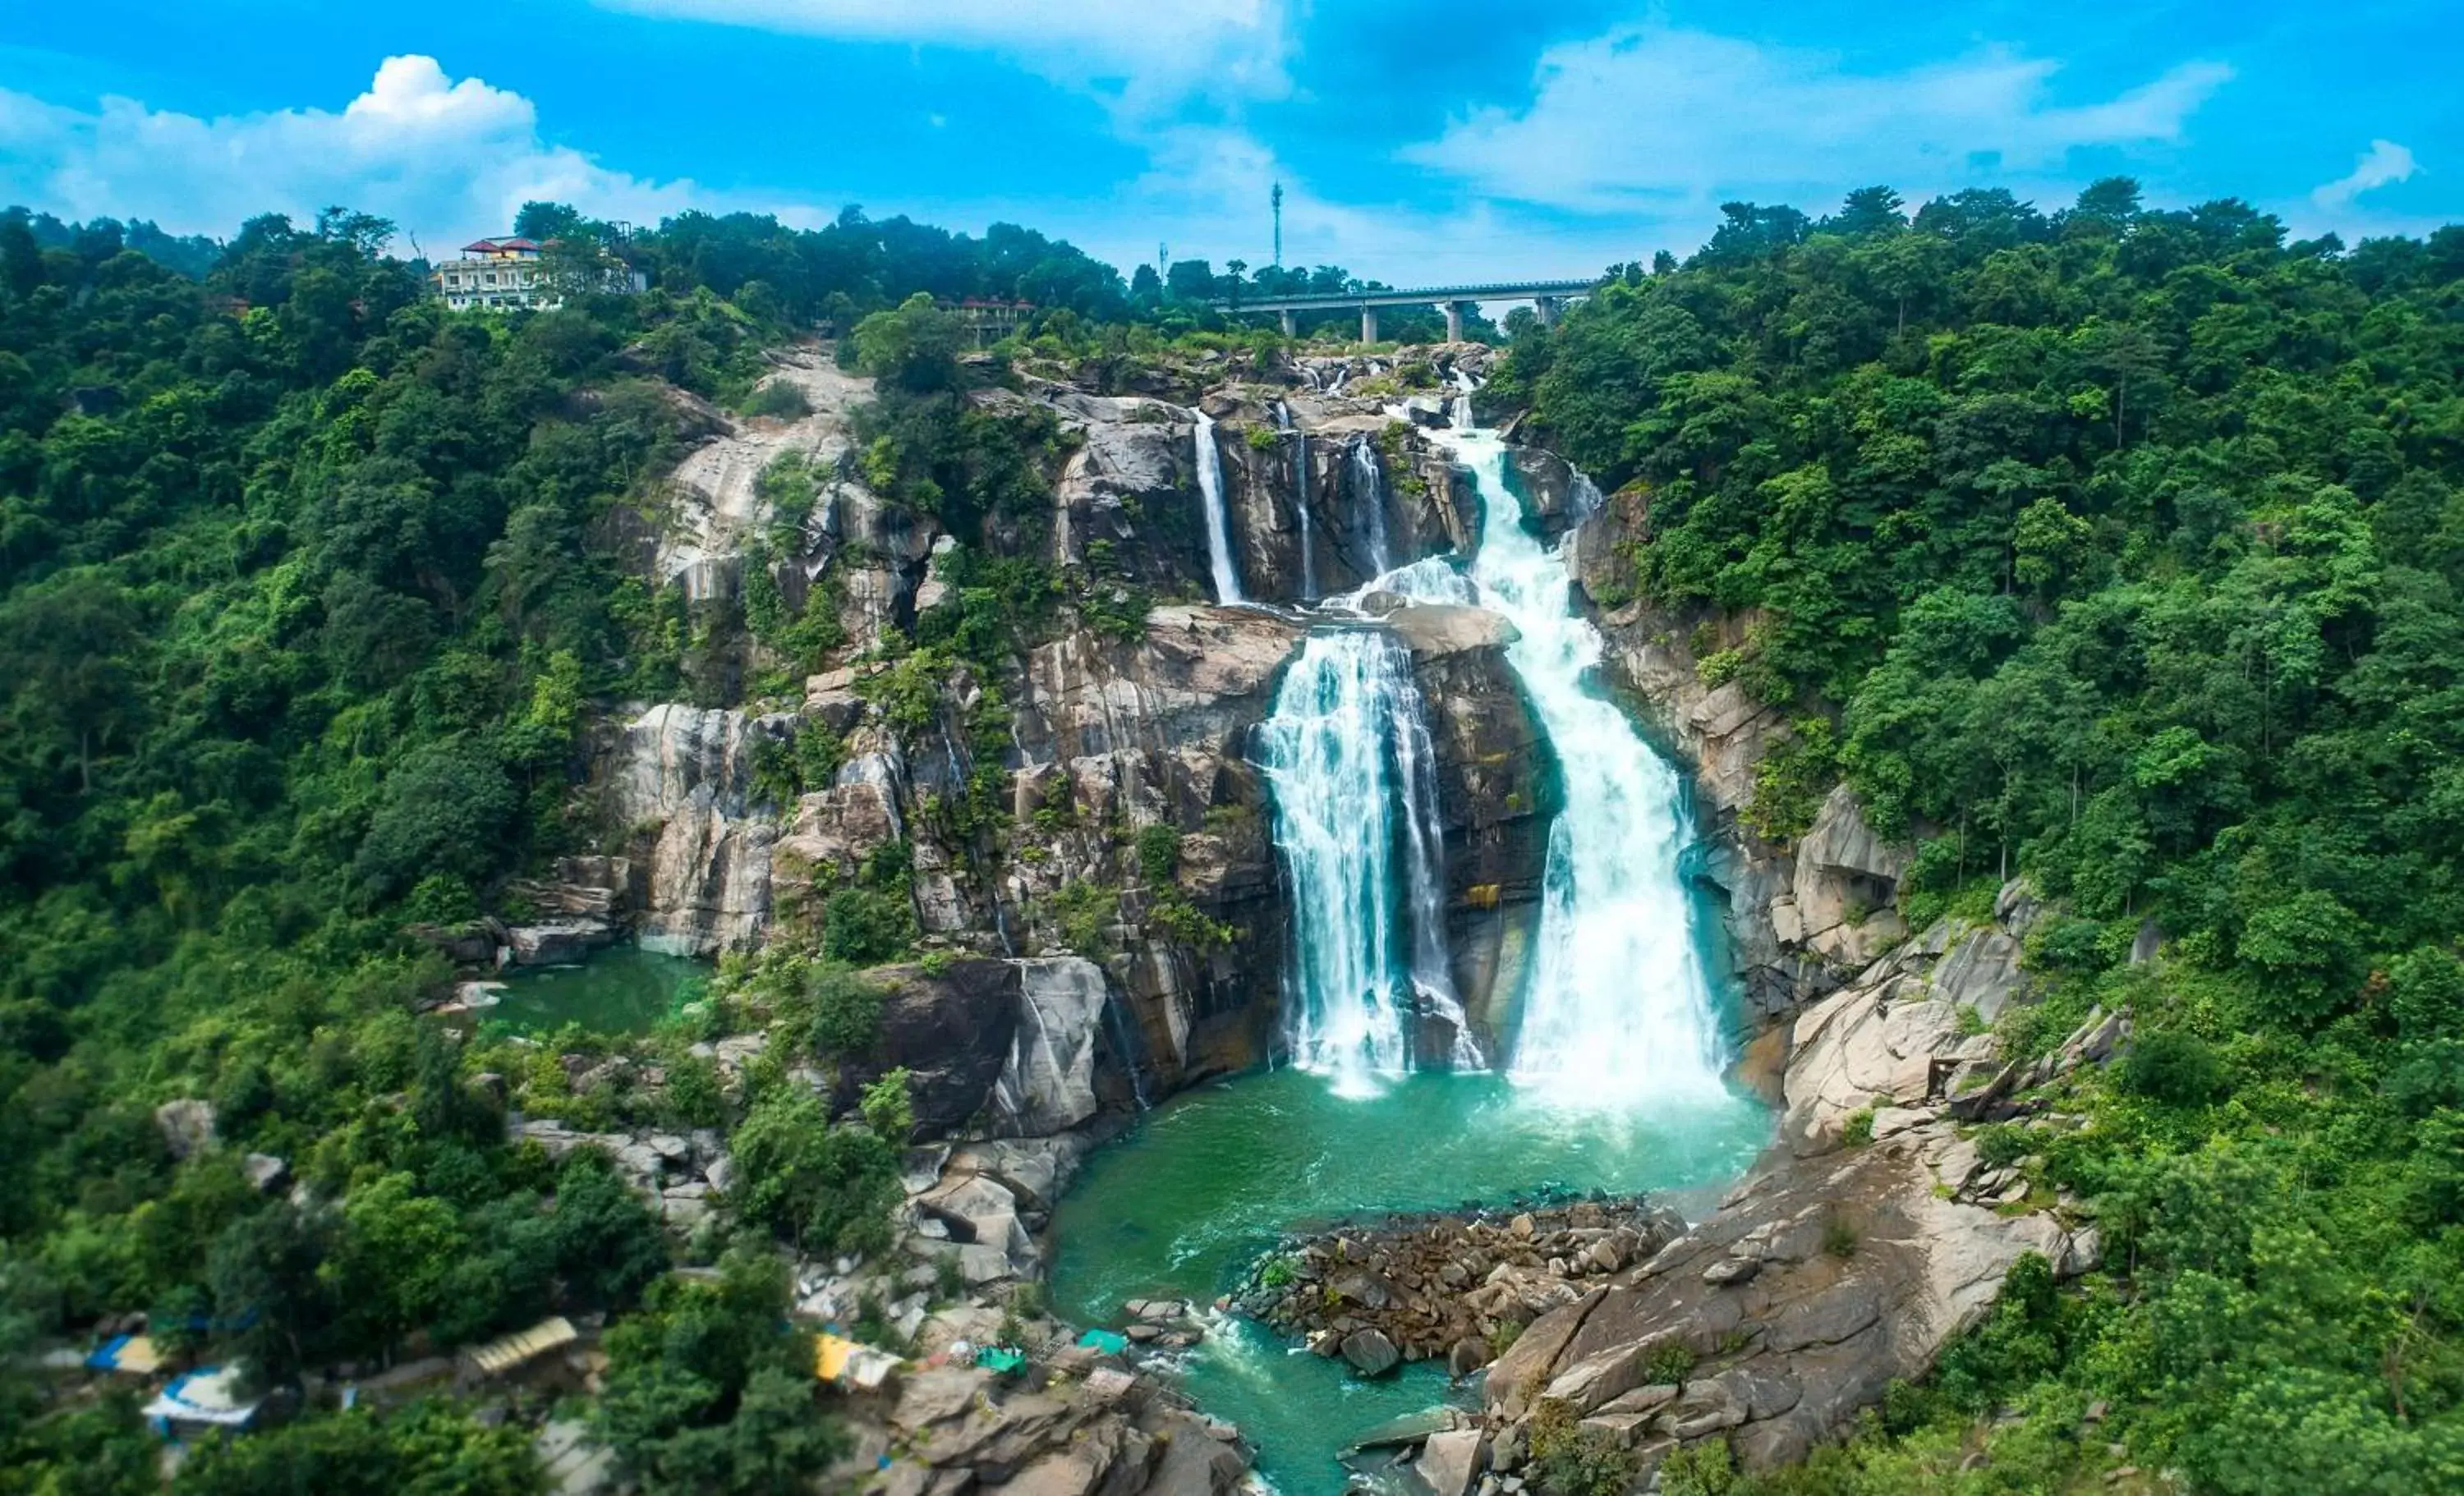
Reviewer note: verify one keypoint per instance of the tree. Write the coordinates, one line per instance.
(448, 807)
(915, 347)
(828, 1187)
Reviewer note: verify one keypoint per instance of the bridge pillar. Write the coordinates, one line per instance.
(1454, 321)
(1291, 327)
(1368, 325)
(1547, 308)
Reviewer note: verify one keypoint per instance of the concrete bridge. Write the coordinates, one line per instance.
(1549, 296)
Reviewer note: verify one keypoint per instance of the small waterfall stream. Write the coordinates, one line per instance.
(1370, 479)
(1219, 528)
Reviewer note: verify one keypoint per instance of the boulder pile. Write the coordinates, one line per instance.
(1450, 1287)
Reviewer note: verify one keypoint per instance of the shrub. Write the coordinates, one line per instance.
(847, 1010)
(1702, 1469)
(1569, 1460)
(1086, 913)
(1858, 1130)
(887, 1107)
(1158, 853)
(1260, 438)
(824, 1188)
(2178, 1069)
(1667, 1362)
(865, 926)
(1839, 1237)
(778, 397)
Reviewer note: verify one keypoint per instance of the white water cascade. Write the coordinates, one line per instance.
(1218, 530)
(1618, 1007)
(1301, 499)
(1346, 755)
(1371, 482)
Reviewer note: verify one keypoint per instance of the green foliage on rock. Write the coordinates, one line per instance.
(826, 1188)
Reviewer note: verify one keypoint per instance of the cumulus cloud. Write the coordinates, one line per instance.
(1651, 116)
(448, 160)
(2385, 163)
(1142, 54)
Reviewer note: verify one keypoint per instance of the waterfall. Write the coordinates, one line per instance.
(1458, 409)
(1371, 480)
(1617, 1006)
(1347, 757)
(1219, 531)
(1301, 500)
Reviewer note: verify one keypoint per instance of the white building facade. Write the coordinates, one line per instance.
(509, 274)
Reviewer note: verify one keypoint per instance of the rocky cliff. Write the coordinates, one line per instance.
(1022, 809)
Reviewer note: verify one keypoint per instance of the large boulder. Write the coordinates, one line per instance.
(951, 1032)
(1847, 883)
(1048, 1084)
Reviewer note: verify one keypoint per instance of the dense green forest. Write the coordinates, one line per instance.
(2120, 548)
(2116, 547)
(307, 582)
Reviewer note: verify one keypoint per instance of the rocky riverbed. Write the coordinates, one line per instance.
(1451, 1288)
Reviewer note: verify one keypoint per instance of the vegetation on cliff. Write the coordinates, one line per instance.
(2119, 548)
(308, 586)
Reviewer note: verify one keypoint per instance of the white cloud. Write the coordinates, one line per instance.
(1144, 55)
(446, 159)
(1649, 115)
(2385, 163)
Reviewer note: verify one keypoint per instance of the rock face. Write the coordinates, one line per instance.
(1154, 734)
(1834, 1268)
(951, 1032)
(1048, 1084)
(681, 779)
(716, 504)
(1103, 1433)
(1496, 799)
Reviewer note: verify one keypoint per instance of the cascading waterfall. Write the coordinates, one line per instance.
(1218, 530)
(1348, 757)
(1371, 480)
(1618, 1007)
(1301, 500)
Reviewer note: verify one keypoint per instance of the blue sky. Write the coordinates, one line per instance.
(1416, 141)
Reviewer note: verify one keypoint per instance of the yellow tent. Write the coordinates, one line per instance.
(830, 1354)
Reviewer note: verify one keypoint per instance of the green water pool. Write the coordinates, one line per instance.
(621, 990)
(1177, 1208)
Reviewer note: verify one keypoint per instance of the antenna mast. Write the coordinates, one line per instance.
(1278, 200)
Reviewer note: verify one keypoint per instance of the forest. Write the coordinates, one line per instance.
(2117, 547)
(2120, 548)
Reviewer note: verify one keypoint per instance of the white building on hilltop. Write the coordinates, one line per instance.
(503, 274)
